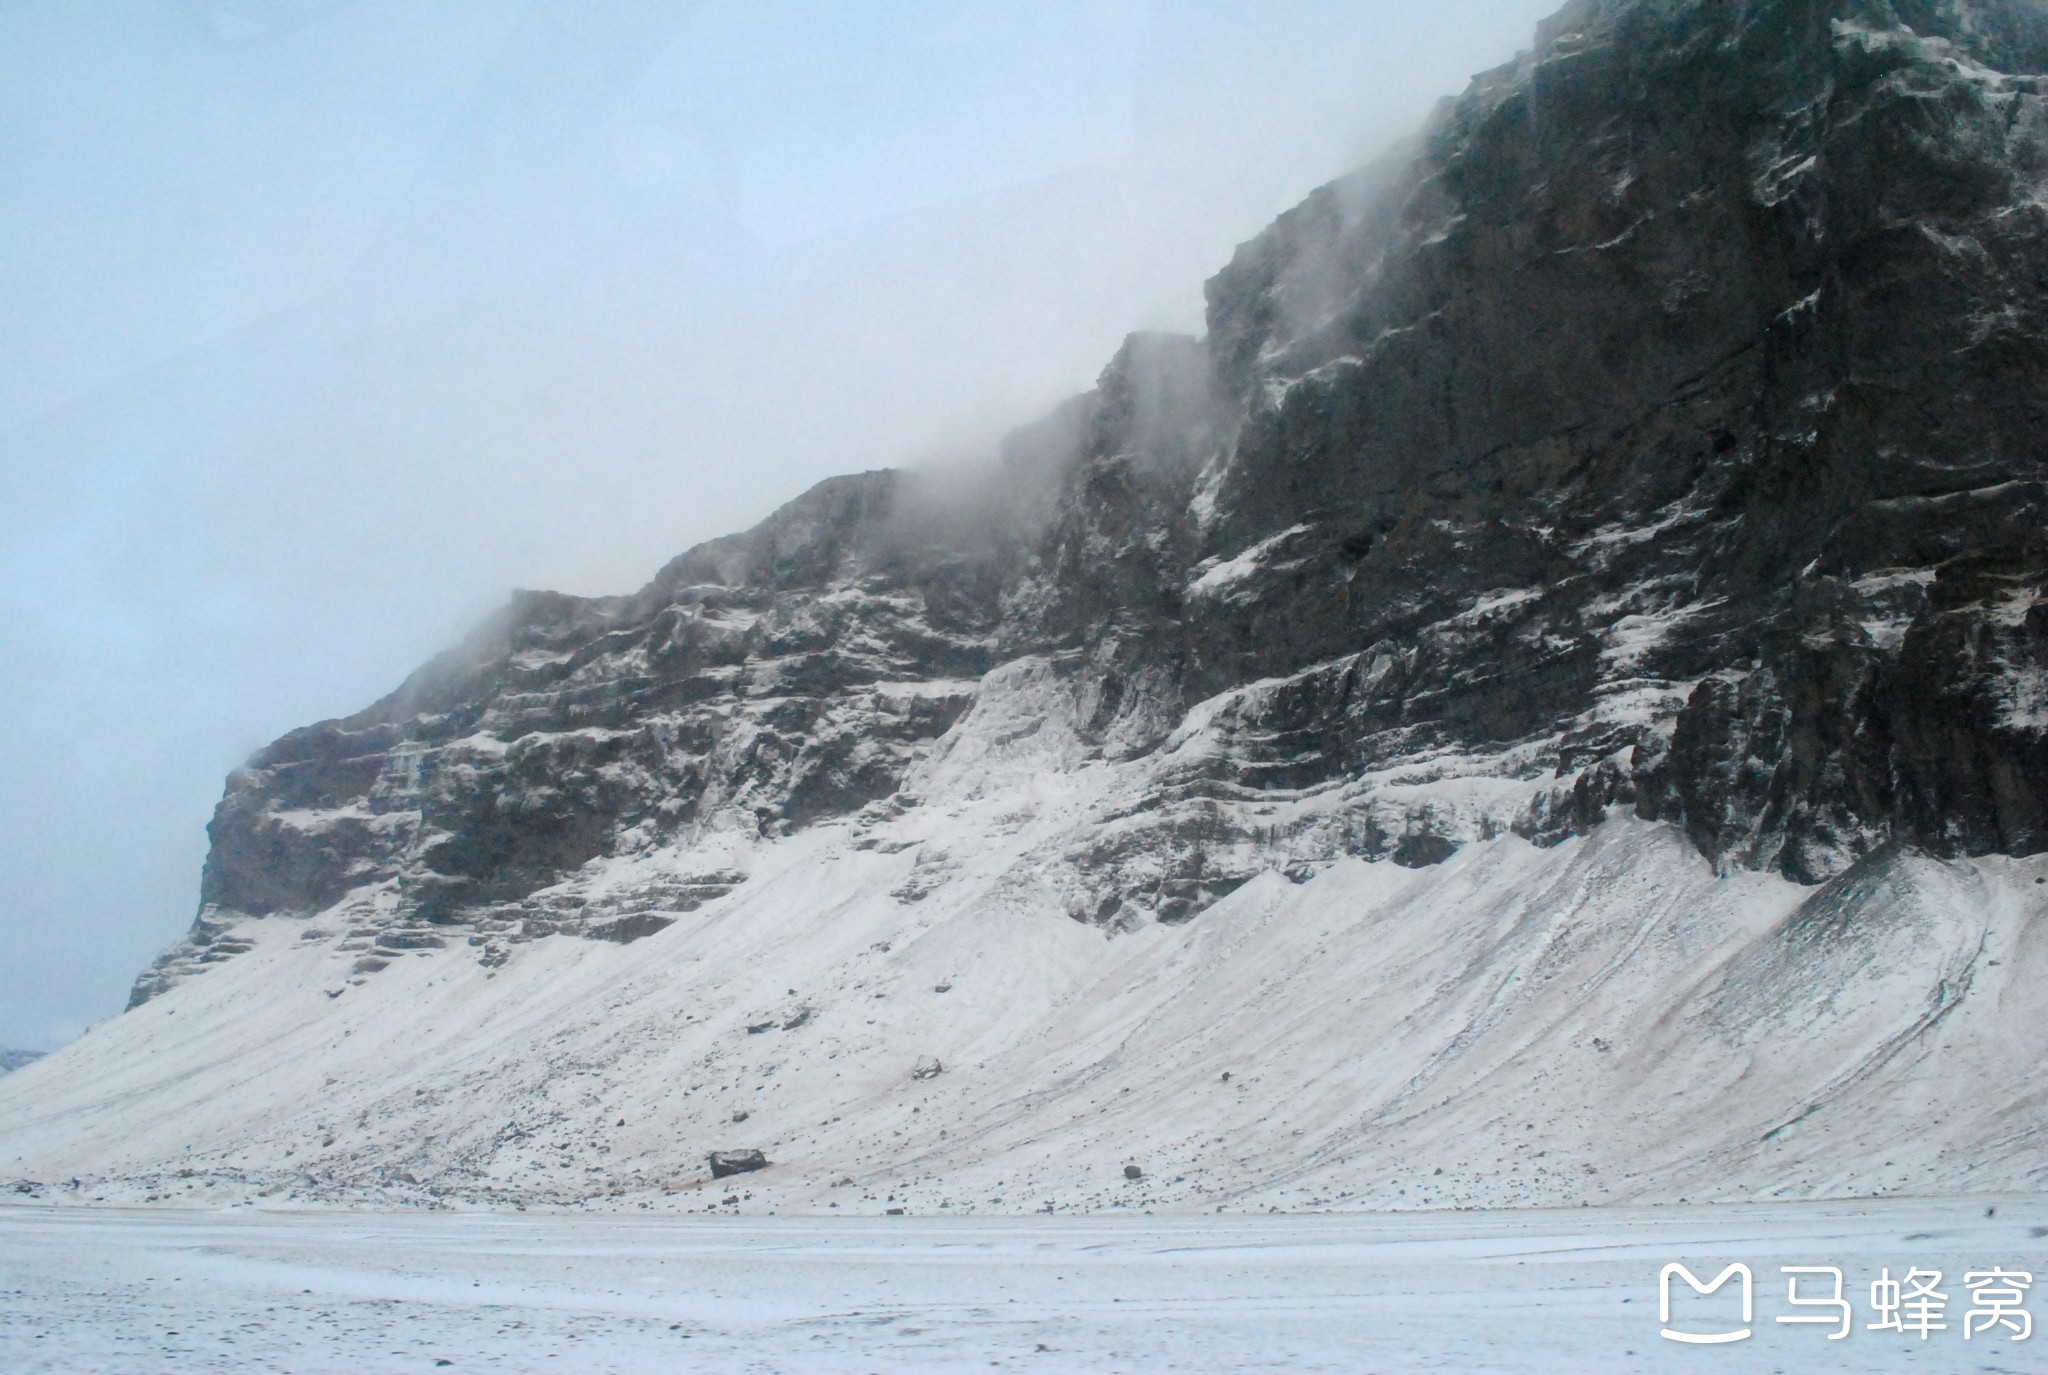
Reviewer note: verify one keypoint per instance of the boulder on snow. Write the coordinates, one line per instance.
(927, 1067)
(724, 1163)
(1133, 1172)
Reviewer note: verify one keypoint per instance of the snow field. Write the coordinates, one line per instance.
(1575, 1290)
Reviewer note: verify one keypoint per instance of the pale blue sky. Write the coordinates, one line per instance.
(327, 323)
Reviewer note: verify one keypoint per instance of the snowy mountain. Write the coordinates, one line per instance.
(1547, 700)
(11, 1060)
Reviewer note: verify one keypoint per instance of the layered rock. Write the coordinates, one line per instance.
(1659, 431)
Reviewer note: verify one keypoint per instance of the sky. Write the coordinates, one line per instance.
(329, 322)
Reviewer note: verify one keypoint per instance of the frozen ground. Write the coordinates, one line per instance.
(117, 1291)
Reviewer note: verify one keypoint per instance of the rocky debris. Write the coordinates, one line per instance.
(927, 1067)
(725, 1163)
(1658, 431)
(792, 1020)
(626, 930)
(209, 941)
(400, 939)
(1133, 1172)
(933, 869)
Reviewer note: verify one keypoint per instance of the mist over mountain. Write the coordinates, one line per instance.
(1546, 699)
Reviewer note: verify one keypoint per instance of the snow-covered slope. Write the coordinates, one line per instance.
(1602, 1019)
(1550, 690)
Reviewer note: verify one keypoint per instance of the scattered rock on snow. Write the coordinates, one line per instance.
(725, 1163)
(927, 1067)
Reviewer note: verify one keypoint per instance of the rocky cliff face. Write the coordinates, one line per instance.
(1661, 432)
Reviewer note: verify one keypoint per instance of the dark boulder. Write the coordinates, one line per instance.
(725, 1163)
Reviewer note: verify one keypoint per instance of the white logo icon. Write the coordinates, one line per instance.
(1697, 1339)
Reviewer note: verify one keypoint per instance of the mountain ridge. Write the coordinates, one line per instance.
(1122, 514)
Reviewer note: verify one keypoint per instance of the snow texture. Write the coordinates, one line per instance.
(1603, 1020)
(1536, 1293)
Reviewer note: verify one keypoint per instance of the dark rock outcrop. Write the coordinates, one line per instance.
(725, 1163)
(1662, 429)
